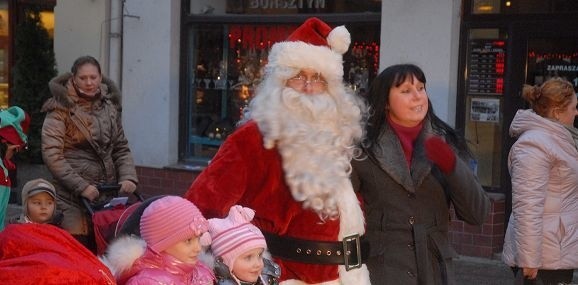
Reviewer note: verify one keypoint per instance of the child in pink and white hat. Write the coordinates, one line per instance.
(239, 247)
(168, 253)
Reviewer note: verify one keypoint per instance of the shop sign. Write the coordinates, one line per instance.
(286, 4)
(562, 67)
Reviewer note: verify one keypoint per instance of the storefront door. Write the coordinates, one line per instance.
(498, 61)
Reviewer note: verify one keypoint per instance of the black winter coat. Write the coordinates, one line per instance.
(407, 212)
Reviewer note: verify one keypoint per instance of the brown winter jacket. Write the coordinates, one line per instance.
(83, 142)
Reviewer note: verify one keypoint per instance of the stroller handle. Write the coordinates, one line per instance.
(105, 189)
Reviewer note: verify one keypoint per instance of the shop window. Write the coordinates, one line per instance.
(6, 41)
(486, 53)
(4, 53)
(225, 64)
(523, 6)
(549, 58)
(486, 6)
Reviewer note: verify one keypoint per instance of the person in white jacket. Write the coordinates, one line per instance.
(542, 235)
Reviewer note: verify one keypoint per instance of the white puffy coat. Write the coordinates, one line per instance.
(543, 163)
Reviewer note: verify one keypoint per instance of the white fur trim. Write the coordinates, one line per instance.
(207, 257)
(358, 276)
(339, 39)
(298, 282)
(121, 254)
(299, 55)
(351, 221)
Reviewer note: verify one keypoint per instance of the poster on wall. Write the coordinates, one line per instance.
(485, 110)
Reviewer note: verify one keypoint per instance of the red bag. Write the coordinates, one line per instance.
(44, 254)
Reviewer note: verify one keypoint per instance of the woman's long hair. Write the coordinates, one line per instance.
(378, 101)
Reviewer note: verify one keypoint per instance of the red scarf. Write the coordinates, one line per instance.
(406, 136)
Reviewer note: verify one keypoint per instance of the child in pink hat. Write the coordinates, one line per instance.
(239, 247)
(168, 253)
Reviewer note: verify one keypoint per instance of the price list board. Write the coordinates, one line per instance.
(486, 64)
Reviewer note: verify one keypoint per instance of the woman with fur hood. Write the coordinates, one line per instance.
(83, 142)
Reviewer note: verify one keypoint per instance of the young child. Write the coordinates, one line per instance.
(171, 229)
(14, 124)
(239, 247)
(38, 202)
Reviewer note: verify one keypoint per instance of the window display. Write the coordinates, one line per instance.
(225, 65)
(486, 67)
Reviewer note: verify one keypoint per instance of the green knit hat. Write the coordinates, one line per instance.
(14, 123)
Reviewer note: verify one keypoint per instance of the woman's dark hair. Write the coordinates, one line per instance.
(378, 100)
(82, 61)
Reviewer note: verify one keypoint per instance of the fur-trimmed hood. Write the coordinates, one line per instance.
(64, 95)
(122, 253)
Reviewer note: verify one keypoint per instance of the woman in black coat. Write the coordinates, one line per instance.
(413, 167)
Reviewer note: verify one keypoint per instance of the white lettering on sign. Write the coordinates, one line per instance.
(286, 4)
(562, 68)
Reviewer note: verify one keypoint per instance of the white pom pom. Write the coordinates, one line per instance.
(339, 39)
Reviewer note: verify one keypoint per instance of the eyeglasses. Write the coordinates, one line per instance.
(316, 81)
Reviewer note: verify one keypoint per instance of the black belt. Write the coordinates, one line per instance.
(351, 252)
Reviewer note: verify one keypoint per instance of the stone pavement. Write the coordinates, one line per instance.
(482, 271)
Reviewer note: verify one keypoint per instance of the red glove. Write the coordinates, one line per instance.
(441, 154)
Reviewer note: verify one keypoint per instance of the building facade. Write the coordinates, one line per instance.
(187, 67)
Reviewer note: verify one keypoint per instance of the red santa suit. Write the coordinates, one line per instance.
(248, 170)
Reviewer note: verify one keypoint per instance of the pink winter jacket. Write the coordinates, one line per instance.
(153, 268)
(133, 263)
(543, 163)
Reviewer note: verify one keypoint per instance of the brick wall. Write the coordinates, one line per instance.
(485, 240)
(164, 181)
(480, 241)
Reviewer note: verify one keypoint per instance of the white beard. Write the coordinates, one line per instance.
(315, 135)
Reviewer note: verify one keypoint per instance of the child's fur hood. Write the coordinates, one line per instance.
(122, 253)
(125, 250)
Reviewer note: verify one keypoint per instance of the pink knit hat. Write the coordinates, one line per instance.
(169, 220)
(235, 235)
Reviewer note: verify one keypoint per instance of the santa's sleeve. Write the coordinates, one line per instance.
(224, 181)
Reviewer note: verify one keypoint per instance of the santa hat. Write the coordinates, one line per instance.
(235, 235)
(313, 45)
(14, 123)
(169, 220)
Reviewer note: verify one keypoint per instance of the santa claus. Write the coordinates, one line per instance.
(289, 160)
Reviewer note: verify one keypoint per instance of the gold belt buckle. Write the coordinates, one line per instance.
(347, 251)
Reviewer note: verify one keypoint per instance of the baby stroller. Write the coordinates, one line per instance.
(107, 215)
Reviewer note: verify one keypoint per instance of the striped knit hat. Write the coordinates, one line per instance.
(235, 235)
(169, 220)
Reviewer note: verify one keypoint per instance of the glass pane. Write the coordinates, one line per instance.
(540, 6)
(524, 7)
(553, 58)
(225, 64)
(485, 6)
(484, 100)
(4, 46)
